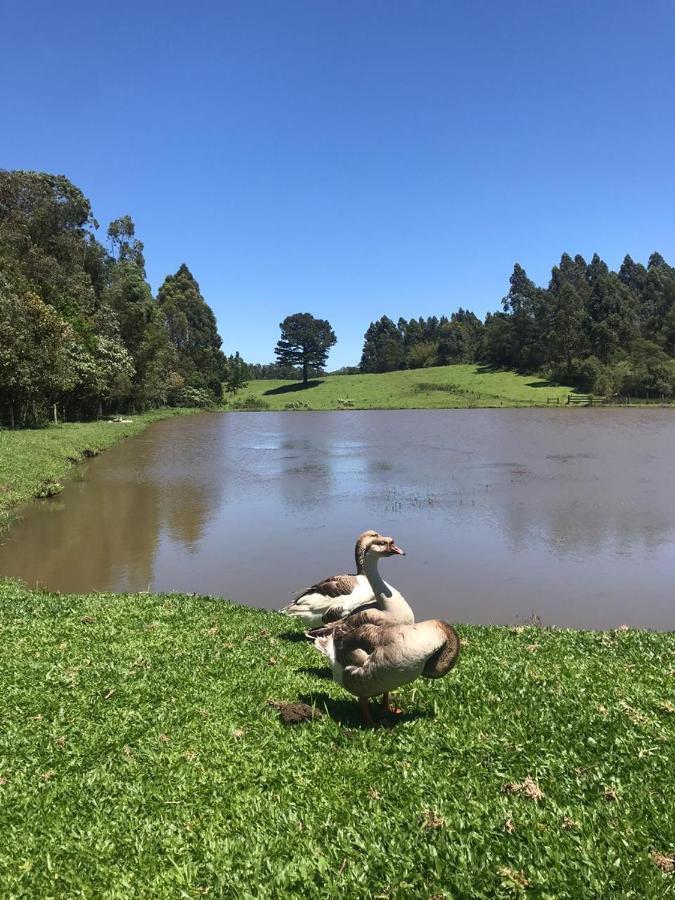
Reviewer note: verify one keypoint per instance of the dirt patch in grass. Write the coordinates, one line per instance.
(295, 713)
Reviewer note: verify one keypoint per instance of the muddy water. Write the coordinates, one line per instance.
(505, 514)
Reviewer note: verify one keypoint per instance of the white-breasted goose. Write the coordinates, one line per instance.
(332, 599)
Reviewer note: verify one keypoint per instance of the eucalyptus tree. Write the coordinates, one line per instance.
(193, 332)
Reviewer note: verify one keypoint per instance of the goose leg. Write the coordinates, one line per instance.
(365, 711)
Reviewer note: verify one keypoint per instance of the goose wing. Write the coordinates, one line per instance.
(366, 614)
(330, 600)
(355, 646)
(381, 658)
(335, 586)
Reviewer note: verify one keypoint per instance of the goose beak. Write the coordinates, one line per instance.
(397, 550)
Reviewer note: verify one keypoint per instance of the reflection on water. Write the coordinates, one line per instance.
(566, 514)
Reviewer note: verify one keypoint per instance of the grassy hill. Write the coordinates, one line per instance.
(140, 756)
(439, 387)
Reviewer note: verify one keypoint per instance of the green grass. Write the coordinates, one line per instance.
(139, 758)
(34, 462)
(441, 387)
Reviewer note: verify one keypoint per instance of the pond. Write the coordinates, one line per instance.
(565, 516)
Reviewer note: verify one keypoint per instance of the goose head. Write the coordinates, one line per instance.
(373, 545)
(440, 662)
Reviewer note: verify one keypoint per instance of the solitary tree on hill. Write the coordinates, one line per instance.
(305, 341)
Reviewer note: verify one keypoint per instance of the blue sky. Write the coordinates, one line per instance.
(352, 159)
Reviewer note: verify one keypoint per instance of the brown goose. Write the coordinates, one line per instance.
(336, 597)
(376, 659)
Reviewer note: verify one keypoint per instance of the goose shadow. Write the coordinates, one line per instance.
(346, 711)
(322, 672)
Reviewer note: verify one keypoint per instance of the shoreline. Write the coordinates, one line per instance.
(33, 462)
(644, 404)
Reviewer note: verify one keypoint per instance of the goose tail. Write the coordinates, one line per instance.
(325, 645)
(321, 631)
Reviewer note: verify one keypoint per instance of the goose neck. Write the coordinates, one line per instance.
(376, 581)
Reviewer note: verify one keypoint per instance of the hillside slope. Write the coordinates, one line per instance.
(440, 387)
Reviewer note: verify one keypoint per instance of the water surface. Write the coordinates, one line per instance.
(505, 514)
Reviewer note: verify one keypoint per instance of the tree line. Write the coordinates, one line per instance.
(605, 332)
(80, 331)
(81, 334)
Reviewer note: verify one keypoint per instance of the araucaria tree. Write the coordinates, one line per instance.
(305, 341)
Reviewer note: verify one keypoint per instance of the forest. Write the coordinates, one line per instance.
(610, 333)
(81, 334)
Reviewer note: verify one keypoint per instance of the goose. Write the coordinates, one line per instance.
(375, 659)
(334, 598)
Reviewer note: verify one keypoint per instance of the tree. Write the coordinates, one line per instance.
(236, 375)
(566, 337)
(524, 302)
(496, 343)
(305, 341)
(613, 318)
(459, 338)
(155, 359)
(34, 344)
(647, 371)
(193, 332)
(383, 347)
(101, 371)
(257, 371)
(124, 248)
(570, 271)
(422, 354)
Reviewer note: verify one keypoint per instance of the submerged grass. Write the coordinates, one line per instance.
(441, 387)
(34, 462)
(139, 756)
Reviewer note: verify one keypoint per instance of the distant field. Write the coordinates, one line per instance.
(441, 387)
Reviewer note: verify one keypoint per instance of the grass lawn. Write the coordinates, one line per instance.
(441, 387)
(33, 462)
(139, 757)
